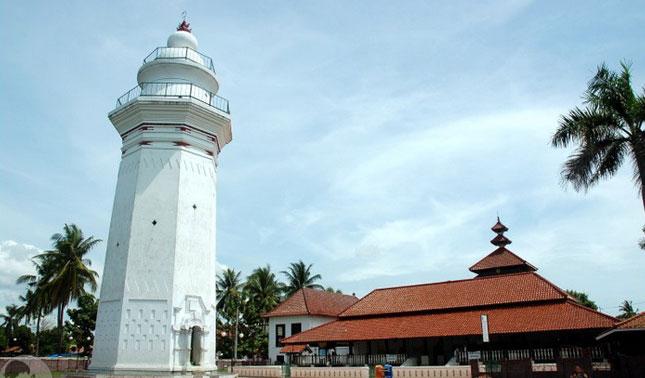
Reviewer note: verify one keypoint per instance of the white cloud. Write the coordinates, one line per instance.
(14, 262)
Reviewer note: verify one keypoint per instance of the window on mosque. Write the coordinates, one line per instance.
(296, 328)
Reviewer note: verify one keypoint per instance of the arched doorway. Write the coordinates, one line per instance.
(196, 346)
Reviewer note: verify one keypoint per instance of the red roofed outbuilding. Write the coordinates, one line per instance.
(305, 309)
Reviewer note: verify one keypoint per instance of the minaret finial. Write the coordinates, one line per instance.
(184, 26)
(500, 240)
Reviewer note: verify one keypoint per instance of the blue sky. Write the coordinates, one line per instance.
(376, 140)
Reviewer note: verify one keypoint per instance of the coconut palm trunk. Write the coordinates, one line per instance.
(38, 330)
(60, 316)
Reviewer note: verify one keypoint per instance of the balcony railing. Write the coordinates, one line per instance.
(174, 90)
(185, 53)
(349, 360)
(537, 354)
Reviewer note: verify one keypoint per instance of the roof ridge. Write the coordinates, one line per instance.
(630, 319)
(452, 281)
(357, 302)
(563, 292)
(277, 307)
(592, 310)
(304, 297)
(331, 293)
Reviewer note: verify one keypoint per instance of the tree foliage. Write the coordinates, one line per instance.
(607, 131)
(261, 292)
(299, 276)
(83, 321)
(10, 321)
(627, 310)
(66, 271)
(229, 287)
(583, 299)
(263, 289)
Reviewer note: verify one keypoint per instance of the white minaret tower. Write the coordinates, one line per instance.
(157, 303)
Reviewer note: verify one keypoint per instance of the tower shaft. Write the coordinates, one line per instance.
(157, 301)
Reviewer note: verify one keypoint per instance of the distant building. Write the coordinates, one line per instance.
(305, 309)
(507, 312)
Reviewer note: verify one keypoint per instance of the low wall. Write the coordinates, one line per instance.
(352, 372)
(17, 364)
(332, 372)
(258, 371)
(431, 371)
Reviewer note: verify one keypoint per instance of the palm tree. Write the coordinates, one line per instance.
(66, 271)
(627, 310)
(299, 276)
(229, 287)
(10, 321)
(607, 131)
(263, 289)
(332, 290)
(36, 303)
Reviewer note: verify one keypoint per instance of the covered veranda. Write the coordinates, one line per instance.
(541, 347)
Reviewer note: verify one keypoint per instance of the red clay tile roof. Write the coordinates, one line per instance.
(563, 315)
(499, 227)
(500, 240)
(474, 292)
(636, 321)
(293, 349)
(501, 257)
(313, 302)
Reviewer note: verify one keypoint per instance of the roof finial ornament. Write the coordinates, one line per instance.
(184, 26)
(500, 240)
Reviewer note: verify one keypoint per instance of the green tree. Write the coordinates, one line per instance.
(49, 341)
(83, 321)
(607, 131)
(24, 339)
(263, 289)
(3, 339)
(66, 271)
(627, 310)
(299, 276)
(229, 287)
(31, 309)
(583, 299)
(10, 321)
(36, 303)
(332, 290)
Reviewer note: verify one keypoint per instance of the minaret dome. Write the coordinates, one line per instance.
(180, 62)
(183, 37)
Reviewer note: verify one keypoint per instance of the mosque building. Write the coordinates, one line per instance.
(507, 311)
